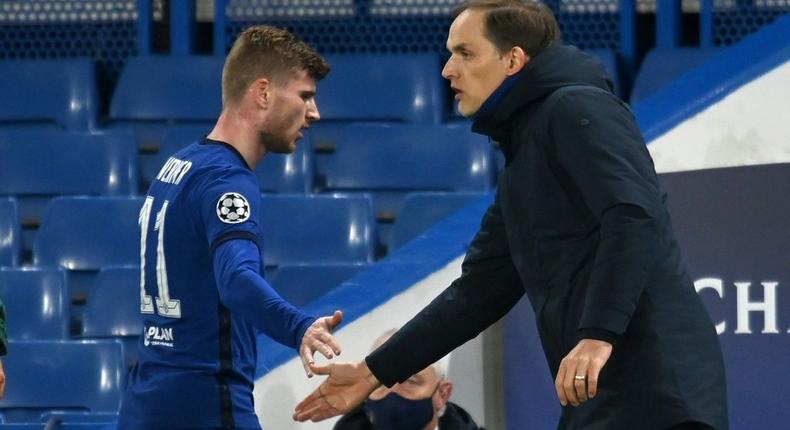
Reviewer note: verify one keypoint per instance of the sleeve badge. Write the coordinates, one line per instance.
(233, 208)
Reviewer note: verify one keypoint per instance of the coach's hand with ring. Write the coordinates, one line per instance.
(318, 337)
(577, 378)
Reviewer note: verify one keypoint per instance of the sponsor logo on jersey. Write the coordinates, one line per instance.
(233, 208)
(159, 336)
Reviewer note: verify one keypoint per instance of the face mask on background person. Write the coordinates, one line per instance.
(395, 412)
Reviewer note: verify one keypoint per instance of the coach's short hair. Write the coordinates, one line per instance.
(510, 23)
(270, 52)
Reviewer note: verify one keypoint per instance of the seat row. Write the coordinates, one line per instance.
(62, 380)
(385, 161)
(187, 89)
(39, 308)
(87, 233)
(316, 240)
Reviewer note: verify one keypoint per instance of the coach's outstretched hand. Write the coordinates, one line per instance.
(318, 337)
(347, 386)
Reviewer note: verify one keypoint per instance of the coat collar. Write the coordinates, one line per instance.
(553, 68)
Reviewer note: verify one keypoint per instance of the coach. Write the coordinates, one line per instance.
(580, 224)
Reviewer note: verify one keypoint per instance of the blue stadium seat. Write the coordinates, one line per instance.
(37, 303)
(37, 165)
(168, 89)
(360, 87)
(69, 376)
(88, 233)
(424, 209)
(660, 66)
(390, 161)
(54, 93)
(277, 173)
(10, 233)
(317, 229)
(84, 234)
(156, 92)
(113, 310)
(300, 284)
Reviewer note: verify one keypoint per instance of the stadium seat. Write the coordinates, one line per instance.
(38, 165)
(168, 89)
(422, 210)
(84, 234)
(317, 229)
(53, 93)
(88, 233)
(360, 87)
(37, 303)
(661, 66)
(186, 90)
(10, 233)
(398, 159)
(277, 173)
(113, 310)
(69, 376)
(300, 284)
(156, 92)
(390, 161)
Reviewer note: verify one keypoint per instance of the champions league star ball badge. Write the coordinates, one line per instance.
(232, 208)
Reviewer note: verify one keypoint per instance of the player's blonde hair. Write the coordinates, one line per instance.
(270, 52)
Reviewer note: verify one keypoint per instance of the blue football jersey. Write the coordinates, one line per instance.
(196, 357)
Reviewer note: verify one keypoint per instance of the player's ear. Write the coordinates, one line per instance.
(261, 92)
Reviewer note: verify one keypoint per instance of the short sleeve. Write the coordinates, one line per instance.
(230, 205)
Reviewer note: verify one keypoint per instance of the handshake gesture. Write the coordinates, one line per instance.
(347, 386)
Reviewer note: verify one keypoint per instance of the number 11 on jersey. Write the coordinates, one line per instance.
(165, 306)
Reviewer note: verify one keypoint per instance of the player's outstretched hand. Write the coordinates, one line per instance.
(318, 337)
(347, 386)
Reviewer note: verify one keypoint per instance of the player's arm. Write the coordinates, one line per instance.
(244, 291)
(230, 204)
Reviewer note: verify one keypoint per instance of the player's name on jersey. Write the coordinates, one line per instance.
(173, 171)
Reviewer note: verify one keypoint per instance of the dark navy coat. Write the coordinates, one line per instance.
(579, 224)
